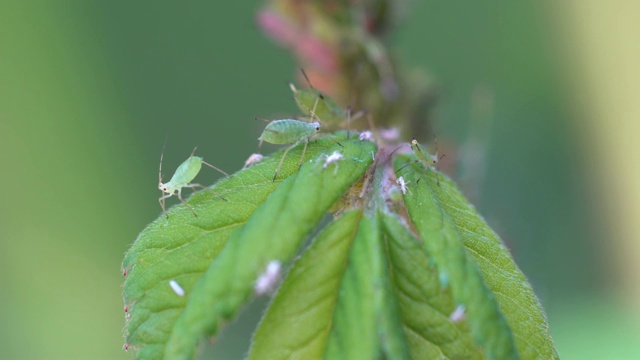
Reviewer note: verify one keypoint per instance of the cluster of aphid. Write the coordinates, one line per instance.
(292, 132)
(278, 132)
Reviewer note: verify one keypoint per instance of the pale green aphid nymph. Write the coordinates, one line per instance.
(327, 109)
(427, 160)
(182, 178)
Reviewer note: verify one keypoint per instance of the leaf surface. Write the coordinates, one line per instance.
(182, 247)
(425, 305)
(274, 232)
(505, 317)
(366, 322)
(298, 320)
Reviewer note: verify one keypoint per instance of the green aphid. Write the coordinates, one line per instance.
(427, 160)
(312, 101)
(327, 109)
(288, 131)
(182, 178)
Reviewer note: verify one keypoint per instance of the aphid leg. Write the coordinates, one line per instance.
(407, 164)
(304, 151)
(335, 141)
(195, 185)
(282, 160)
(161, 201)
(215, 168)
(185, 203)
(435, 162)
(348, 121)
(260, 146)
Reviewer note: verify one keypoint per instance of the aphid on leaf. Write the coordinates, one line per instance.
(326, 109)
(176, 287)
(186, 172)
(366, 136)
(423, 157)
(289, 131)
(252, 160)
(267, 280)
(333, 158)
(403, 184)
(459, 314)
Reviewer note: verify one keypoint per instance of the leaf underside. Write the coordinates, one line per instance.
(379, 281)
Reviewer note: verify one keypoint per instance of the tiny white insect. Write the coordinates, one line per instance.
(333, 158)
(176, 287)
(267, 280)
(403, 184)
(366, 136)
(253, 159)
(459, 314)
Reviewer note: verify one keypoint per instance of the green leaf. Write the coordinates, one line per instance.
(366, 323)
(425, 306)
(503, 312)
(274, 232)
(182, 247)
(298, 321)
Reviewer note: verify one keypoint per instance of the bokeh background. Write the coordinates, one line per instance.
(538, 114)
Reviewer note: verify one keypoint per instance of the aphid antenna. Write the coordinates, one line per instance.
(160, 168)
(394, 151)
(436, 159)
(304, 73)
(348, 121)
(334, 140)
(263, 119)
(164, 144)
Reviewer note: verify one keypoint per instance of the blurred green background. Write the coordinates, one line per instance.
(90, 89)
